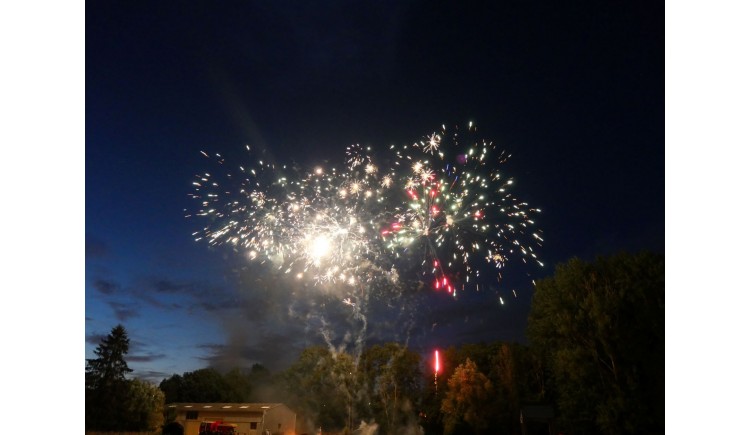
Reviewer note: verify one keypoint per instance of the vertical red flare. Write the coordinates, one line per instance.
(437, 362)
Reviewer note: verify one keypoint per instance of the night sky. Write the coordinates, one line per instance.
(575, 91)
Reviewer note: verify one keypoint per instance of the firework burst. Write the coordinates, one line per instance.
(316, 225)
(457, 211)
(443, 202)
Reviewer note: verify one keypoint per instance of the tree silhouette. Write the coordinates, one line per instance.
(109, 367)
(114, 403)
(600, 326)
(106, 386)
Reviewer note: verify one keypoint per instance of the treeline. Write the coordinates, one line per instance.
(596, 356)
(332, 391)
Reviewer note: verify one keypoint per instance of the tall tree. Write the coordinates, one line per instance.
(601, 328)
(114, 403)
(106, 386)
(466, 400)
(109, 367)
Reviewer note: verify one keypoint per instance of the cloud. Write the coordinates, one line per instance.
(269, 318)
(105, 287)
(220, 305)
(276, 317)
(274, 351)
(165, 293)
(123, 312)
(95, 339)
(167, 286)
(267, 324)
(145, 358)
(152, 376)
(137, 345)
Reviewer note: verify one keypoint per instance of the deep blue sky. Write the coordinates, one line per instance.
(574, 91)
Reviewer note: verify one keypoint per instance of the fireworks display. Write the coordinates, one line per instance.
(458, 211)
(310, 226)
(442, 203)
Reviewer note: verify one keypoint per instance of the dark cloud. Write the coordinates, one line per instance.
(211, 347)
(221, 305)
(137, 346)
(145, 358)
(268, 324)
(165, 293)
(154, 377)
(95, 248)
(152, 300)
(274, 351)
(195, 289)
(106, 287)
(275, 318)
(224, 357)
(270, 318)
(166, 286)
(123, 312)
(95, 339)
